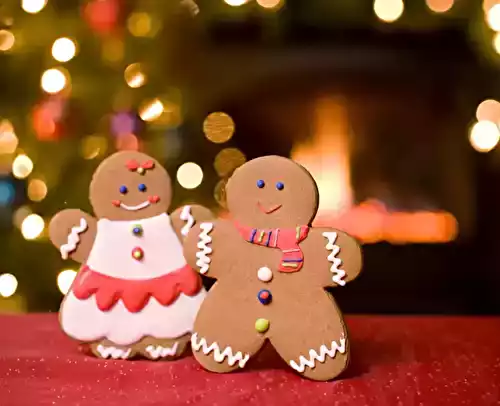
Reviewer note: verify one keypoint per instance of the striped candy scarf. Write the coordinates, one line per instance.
(287, 240)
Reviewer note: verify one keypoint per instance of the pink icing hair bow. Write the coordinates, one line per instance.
(133, 165)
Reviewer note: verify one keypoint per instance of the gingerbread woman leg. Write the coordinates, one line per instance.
(155, 348)
(314, 341)
(224, 336)
(106, 349)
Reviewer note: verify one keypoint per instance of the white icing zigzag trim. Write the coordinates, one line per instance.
(321, 357)
(188, 218)
(203, 260)
(113, 352)
(73, 239)
(338, 274)
(218, 355)
(157, 351)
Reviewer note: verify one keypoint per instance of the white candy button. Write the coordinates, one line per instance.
(264, 274)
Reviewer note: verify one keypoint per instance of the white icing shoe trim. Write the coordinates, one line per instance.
(113, 352)
(143, 205)
(338, 274)
(203, 260)
(73, 239)
(218, 355)
(157, 351)
(321, 357)
(188, 218)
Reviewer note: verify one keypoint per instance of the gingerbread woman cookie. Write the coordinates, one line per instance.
(135, 295)
(271, 268)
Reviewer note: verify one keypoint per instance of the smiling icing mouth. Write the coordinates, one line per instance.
(143, 205)
(272, 209)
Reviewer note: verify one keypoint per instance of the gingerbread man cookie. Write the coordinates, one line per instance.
(135, 293)
(271, 268)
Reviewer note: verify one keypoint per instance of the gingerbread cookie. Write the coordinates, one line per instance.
(135, 293)
(271, 268)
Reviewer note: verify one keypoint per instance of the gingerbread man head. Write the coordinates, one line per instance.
(272, 192)
(130, 185)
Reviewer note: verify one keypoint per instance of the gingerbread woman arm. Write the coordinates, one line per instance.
(336, 255)
(73, 232)
(209, 247)
(184, 218)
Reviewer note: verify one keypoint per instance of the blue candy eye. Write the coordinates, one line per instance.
(142, 187)
(280, 186)
(261, 183)
(123, 189)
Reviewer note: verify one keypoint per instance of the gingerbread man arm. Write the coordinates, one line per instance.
(73, 232)
(210, 245)
(337, 256)
(185, 217)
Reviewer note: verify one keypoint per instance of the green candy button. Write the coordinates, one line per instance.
(262, 325)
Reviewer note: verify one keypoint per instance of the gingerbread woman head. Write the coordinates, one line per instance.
(130, 185)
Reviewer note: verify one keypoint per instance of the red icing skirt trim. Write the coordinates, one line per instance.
(135, 293)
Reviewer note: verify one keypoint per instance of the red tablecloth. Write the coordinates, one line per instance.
(407, 361)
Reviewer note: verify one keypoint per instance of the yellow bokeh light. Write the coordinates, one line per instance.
(484, 136)
(270, 3)
(65, 279)
(220, 193)
(488, 110)
(33, 6)
(218, 127)
(113, 50)
(19, 215)
(63, 49)
(388, 10)
(493, 17)
(235, 3)
(7, 40)
(32, 226)
(488, 4)
(8, 139)
(37, 190)
(189, 175)
(151, 110)
(8, 285)
(140, 24)
(53, 80)
(22, 166)
(227, 160)
(93, 146)
(134, 75)
(496, 42)
(440, 6)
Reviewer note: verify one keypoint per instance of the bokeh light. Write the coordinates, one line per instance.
(227, 160)
(63, 49)
(8, 139)
(37, 190)
(33, 6)
(19, 215)
(140, 24)
(32, 226)
(270, 3)
(151, 110)
(488, 110)
(7, 193)
(134, 75)
(235, 3)
(220, 193)
(484, 136)
(218, 127)
(493, 17)
(439, 6)
(488, 4)
(8, 285)
(22, 166)
(65, 279)
(127, 142)
(496, 42)
(189, 175)
(7, 40)
(93, 146)
(53, 80)
(113, 50)
(388, 10)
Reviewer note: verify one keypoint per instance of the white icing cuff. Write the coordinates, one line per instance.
(232, 358)
(188, 218)
(203, 260)
(338, 274)
(157, 351)
(324, 351)
(113, 352)
(73, 239)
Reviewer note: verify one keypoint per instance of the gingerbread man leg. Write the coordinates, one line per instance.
(314, 341)
(224, 336)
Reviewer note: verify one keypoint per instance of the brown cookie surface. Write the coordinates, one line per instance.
(271, 269)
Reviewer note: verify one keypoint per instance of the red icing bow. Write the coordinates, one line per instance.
(133, 165)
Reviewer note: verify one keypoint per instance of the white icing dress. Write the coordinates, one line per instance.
(111, 260)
